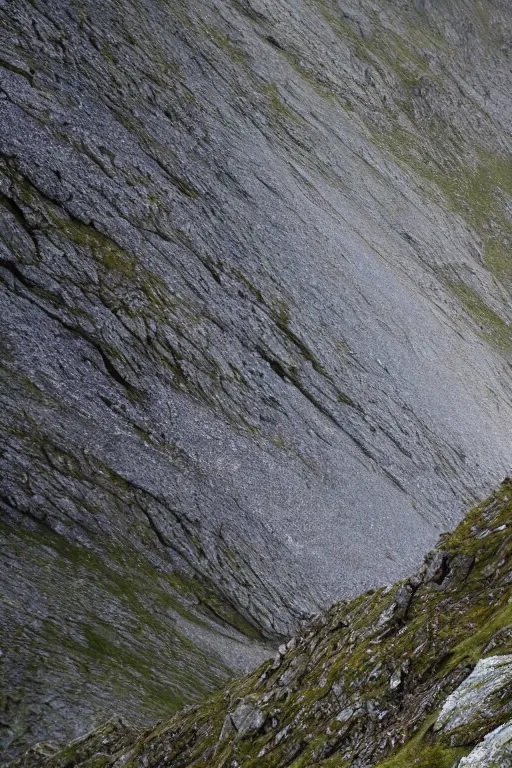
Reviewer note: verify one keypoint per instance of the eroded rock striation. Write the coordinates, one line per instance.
(255, 328)
(376, 681)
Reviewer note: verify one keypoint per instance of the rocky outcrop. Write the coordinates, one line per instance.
(375, 681)
(482, 698)
(254, 334)
(496, 749)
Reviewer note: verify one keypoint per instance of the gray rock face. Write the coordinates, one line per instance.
(495, 750)
(478, 701)
(254, 326)
(247, 719)
(337, 707)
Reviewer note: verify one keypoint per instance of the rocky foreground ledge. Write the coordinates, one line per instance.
(418, 674)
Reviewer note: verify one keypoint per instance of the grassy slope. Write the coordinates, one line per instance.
(329, 699)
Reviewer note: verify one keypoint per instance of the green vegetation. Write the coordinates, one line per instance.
(416, 755)
(237, 54)
(475, 181)
(494, 328)
(111, 585)
(331, 695)
(434, 631)
(481, 193)
(278, 108)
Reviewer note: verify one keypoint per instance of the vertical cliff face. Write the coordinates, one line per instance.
(255, 326)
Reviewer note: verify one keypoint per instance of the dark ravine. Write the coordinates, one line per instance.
(255, 345)
(418, 674)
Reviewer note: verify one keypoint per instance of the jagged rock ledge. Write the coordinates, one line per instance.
(417, 674)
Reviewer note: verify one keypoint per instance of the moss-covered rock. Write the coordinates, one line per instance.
(480, 700)
(397, 677)
(254, 337)
(495, 751)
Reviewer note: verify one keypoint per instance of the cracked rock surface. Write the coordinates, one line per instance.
(496, 749)
(480, 697)
(255, 328)
(330, 700)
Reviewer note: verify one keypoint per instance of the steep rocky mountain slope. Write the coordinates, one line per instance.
(255, 327)
(418, 674)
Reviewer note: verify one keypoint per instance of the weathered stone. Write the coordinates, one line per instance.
(502, 637)
(247, 718)
(436, 568)
(227, 729)
(495, 751)
(395, 680)
(482, 697)
(255, 328)
(341, 709)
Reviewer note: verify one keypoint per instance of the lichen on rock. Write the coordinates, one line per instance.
(255, 335)
(351, 688)
(478, 701)
(495, 751)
